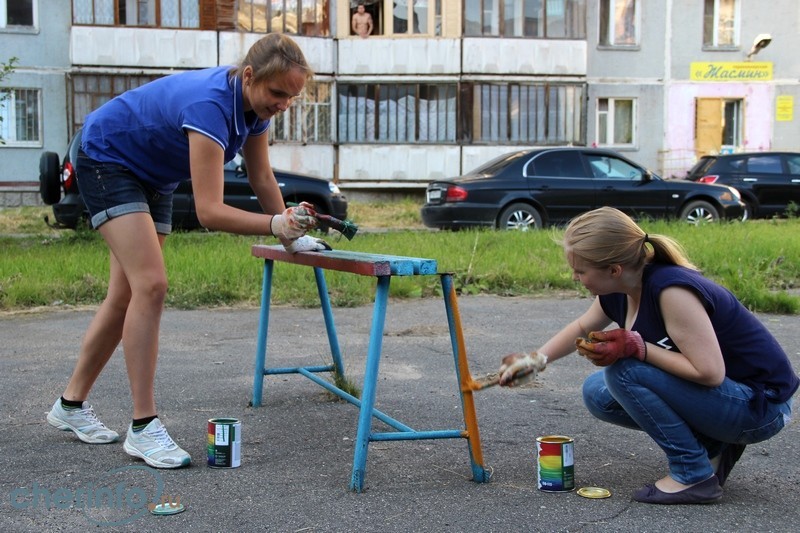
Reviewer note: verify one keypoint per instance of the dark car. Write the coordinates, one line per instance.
(767, 181)
(535, 188)
(69, 210)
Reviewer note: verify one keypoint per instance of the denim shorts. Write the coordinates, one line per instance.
(110, 190)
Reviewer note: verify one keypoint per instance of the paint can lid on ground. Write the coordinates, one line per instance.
(164, 509)
(594, 492)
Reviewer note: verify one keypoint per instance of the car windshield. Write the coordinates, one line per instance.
(702, 166)
(499, 163)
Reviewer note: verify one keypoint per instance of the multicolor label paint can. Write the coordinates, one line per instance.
(556, 463)
(224, 443)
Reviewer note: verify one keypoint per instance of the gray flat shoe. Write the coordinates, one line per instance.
(708, 491)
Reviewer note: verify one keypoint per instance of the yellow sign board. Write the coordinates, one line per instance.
(784, 108)
(744, 71)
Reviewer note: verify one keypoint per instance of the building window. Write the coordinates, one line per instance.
(619, 23)
(615, 121)
(90, 91)
(525, 113)
(21, 111)
(732, 124)
(721, 23)
(180, 13)
(308, 120)
(551, 19)
(397, 113)
(414, 17)
(152, 13)
(298, 17)
(17, 13)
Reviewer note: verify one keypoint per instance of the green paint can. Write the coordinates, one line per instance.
(224, 443)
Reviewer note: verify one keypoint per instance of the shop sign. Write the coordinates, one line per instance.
(721, 71)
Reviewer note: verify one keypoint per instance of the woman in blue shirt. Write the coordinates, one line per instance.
(687, 363)
(135, 150)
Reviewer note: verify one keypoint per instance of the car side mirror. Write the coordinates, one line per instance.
(647, 176)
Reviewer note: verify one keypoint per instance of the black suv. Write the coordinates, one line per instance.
(767, 181)
(55, 177)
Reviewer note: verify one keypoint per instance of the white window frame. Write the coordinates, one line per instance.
(433, 19)
(715, 26)
(391, 113)
(283, 16)
(4, 15)
(736, 123)
(527, 113)
(8, 111)
(610, 116)
(610, 30)
(309, 120)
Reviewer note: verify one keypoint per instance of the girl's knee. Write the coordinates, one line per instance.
(151, 288)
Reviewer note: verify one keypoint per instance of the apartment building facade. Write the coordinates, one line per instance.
(439, 87)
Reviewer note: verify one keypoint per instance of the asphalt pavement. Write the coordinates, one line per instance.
(297, 449)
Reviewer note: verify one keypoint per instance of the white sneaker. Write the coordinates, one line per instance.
(83, 422)
(155, 446)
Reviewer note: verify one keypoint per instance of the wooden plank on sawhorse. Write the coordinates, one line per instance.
(355, 262)
(382, 267)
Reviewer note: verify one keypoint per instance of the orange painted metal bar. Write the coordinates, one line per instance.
(466, 383)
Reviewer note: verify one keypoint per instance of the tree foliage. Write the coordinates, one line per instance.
(5, 92)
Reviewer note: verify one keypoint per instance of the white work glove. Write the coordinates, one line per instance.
(294, 222)
(520, 368)
(306, 243)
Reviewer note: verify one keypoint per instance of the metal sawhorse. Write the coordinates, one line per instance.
(383, 267)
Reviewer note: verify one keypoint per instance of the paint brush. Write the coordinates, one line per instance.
(491, 379)
(348, 228)
(345, 227)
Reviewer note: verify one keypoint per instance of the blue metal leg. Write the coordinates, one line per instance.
(263, 326)
(370, 382)
(330, 326)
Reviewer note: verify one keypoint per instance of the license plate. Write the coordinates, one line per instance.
(434, 195)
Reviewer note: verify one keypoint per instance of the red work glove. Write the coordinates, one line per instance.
(605, 347)
(294, 222)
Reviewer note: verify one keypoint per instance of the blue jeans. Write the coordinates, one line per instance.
(690, 422)
(110, 190)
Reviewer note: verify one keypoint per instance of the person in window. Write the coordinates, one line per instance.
(362, 22)
(688, 363)
(135, 150)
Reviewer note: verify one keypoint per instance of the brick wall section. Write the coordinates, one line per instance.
(19, 194)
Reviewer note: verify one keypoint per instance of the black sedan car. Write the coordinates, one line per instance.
(69, 210)
(767, 181)
(535, 188)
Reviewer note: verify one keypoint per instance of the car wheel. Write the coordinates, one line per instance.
(519, 216)
(748, 211)
(49, 178)
(698, 212)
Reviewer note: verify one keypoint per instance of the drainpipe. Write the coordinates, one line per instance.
(667, 91)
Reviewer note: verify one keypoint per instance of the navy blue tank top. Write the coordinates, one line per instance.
(752, 354)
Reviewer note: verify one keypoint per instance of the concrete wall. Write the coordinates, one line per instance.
(631, 72)
(656, 72)
(43, 54)
(107, 46)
